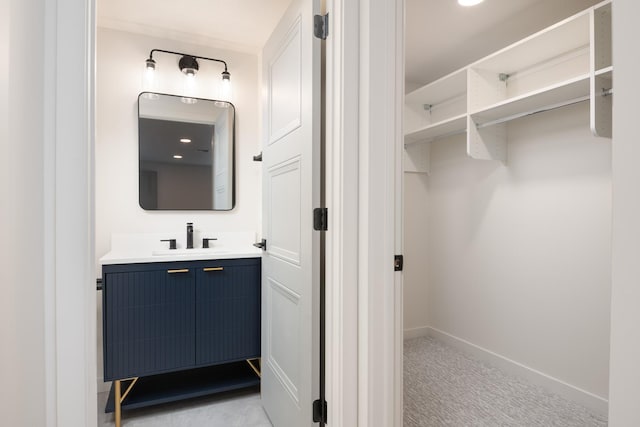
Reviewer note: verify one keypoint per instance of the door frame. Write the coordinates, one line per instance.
(363, 192)
(70, 383)
(363, 379)
(341, 197)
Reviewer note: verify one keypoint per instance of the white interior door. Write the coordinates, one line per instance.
(291, 189)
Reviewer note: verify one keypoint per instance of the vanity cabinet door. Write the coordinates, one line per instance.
(227, 311)
(149, 323)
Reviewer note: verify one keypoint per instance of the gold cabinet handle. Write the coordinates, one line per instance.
(182, 270)
(213, 269)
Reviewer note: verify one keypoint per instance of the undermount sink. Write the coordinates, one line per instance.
(186, 252)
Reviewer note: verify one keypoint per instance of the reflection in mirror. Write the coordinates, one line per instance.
(186, 148)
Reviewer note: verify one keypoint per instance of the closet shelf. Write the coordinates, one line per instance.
(450, 86)
(605, 72)
(566, 63)
(438, 130)
(538, 100)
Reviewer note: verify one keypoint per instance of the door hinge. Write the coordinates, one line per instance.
(320, 220)
(262, 244)
(320, 411)
(398, 262)
(321, 26)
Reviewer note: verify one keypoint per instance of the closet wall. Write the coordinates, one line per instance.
(512, 262)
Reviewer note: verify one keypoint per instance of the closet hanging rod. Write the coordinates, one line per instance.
(536, 111)
(605, 92)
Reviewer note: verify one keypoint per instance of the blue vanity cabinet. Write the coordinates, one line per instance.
(227, 311)
(176, 317)
(149, 325)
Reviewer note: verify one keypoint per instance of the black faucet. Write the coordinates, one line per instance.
(189, 235)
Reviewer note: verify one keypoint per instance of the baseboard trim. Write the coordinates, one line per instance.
(416, 332)
(594, 402)
(102, 386)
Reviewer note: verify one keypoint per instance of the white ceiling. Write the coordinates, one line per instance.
(243, 25)
(442, 36)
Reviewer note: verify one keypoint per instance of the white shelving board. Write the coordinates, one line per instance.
(601, 105)
(553, 95)
(431, 107)
(605, 72)
(438, 130)
(443, 89)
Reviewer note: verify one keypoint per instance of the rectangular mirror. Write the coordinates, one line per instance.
(186, 153)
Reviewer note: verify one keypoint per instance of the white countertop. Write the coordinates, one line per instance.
(143, 248)
(195, 255)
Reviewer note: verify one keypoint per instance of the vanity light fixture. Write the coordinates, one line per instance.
(469, 2)
(189, 65)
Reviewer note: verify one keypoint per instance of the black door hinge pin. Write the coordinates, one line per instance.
(320, 220)
(321, 26)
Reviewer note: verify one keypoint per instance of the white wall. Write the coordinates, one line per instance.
(624, 409)
(120, 65)
(22, 215)
(416, 238)
(519, 256)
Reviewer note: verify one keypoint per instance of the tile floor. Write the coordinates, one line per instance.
(233, 409)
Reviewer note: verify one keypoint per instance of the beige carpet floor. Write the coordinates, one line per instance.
(445, 387)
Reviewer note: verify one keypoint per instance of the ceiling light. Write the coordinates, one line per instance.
(469, 2)
(177, 156)
(185, 140)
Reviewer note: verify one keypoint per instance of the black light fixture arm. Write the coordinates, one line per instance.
(186, 54)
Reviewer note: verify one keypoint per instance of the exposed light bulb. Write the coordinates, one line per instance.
(149, 78)
(469, 2)
(225, 94)
(189, 89)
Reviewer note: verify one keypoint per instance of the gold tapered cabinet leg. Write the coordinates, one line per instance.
(118, 402)
(256, 368)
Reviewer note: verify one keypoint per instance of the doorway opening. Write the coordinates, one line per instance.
(274, 62)
(507, 212)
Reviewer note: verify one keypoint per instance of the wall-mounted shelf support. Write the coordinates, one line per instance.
(489, 143)
(417, 157)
